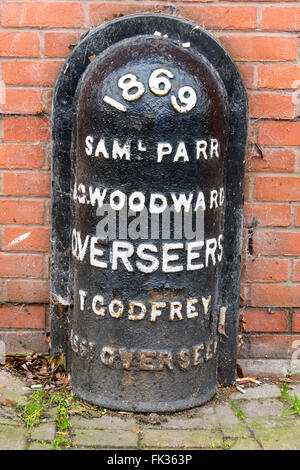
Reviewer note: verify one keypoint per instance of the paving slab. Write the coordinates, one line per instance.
(12, 438)
(185, 439)
(205, 419)
(230, 424)
(280, 437)
(103, 422)
(245, 444)
(226, 414)
(197, 418)
(235, 430)
(262, 391)
(12, 388)
(50, 413)
(45, 432)
(106, 439)
(261, 408)
(272, 422)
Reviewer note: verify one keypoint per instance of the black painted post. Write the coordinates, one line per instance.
(149, 134)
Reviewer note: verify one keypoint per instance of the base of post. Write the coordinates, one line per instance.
(144, 407)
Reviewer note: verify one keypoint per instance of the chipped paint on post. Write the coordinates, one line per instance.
(222, 321)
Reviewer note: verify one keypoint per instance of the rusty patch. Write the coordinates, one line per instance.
(60, 310)
(158, 294)
(128, 379)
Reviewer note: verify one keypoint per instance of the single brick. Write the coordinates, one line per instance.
(271, 345)
(21, 101)
(276, 243)
(19, 44)
(273, 160)
(265, 321)
(221, 17)
(22, 316)
(31, 73)
(271, 105)
(19, 211)
(17, 265)
(20, 342)
(42, 14)
(266, 269)
(59, 44)
(279, 134)
(267, 214)
(27, 291)
(277, 188)
(260, 48)
(278, 76)
(21, 156)
(26, 184)
(274, 295)
(281, 18)
(26, 239)
(26, 129)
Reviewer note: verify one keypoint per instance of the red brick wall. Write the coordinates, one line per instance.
(35, 37)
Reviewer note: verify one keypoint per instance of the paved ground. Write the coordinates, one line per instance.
(230, 421)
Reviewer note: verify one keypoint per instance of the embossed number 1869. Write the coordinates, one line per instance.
(160, 85)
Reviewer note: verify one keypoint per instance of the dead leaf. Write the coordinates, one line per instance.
(136, 431)
(7, 402)
(58, 360)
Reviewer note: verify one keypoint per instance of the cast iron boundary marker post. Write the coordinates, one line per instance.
(98, 40)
